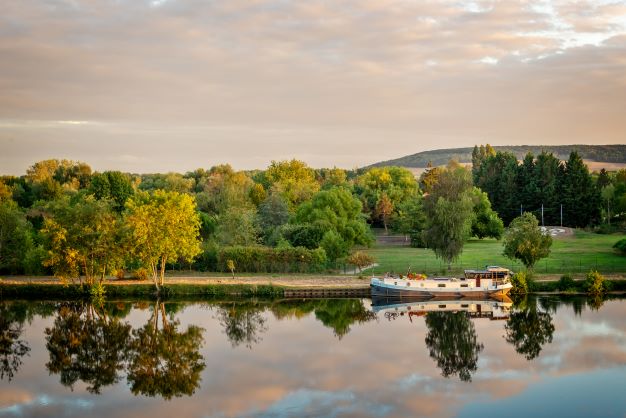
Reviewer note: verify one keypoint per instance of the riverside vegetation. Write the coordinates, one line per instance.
(63, 219)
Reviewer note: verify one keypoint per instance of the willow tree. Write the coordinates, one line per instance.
(164, 227)
(449, 213)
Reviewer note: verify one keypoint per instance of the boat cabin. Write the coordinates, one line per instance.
(497, 275)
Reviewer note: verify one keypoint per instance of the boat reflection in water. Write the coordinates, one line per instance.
(492, 308)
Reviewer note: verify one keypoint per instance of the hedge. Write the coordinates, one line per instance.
(258, 259)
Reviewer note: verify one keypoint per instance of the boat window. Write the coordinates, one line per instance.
(441, 285)
(464, 285)
(408, 284)
(464, 306)
(395, 283)
(442, 306)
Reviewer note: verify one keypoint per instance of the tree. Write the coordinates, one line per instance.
(336, 210)
(273, 213)
(384, 209)
(453, 344)
(429, 178)
(82, 238)
(293, 179)
(164, 227)
(498, 178)
(608, 194)
(486, 222)
(15, 238)
(527, 184)
(113, 185)
(603, 179)
(334, 245)
(237, 226)
(410, 220)
(449, 212)
(548, 170)
(360, 259)
(581, 198)
(396, 183)
(524, 240)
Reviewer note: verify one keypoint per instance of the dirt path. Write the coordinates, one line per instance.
(291, 281)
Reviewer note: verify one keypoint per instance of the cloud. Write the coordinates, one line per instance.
(414, 74)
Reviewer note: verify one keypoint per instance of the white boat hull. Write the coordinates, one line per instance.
(434, 288)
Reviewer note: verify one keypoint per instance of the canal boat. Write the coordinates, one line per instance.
(492, 281)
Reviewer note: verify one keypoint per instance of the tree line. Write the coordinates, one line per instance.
(64, 219)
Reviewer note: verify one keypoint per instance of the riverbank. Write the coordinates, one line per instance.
(257, 286)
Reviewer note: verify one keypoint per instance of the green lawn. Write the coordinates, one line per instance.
(578, 254)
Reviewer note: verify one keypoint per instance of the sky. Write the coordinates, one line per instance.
(174, 85)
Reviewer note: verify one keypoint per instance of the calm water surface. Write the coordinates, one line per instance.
(314, 358)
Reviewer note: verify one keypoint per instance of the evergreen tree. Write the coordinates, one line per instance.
(547, 178)
(498, 178)
(527, 184)
(581, 199)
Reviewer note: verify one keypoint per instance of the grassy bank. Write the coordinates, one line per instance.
(60, 291)
(578, 254)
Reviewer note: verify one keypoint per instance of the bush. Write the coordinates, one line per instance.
(120, 274)
(520, 282)
(595, 283)
(141, 274)
(360, 260)
(566, 283)
(620, 246)
(258, 259)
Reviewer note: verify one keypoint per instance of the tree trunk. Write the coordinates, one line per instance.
(163, 259)
(153, 272)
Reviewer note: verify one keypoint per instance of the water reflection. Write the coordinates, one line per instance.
(89, 344)
(333, 357)
(12, 348)
(164, 360)
(452, 343)
(528, 330)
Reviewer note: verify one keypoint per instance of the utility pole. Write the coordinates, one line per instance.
(521, 209)
(542, 215)
(561, 214)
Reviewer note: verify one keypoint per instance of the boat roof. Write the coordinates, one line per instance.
(489, 269)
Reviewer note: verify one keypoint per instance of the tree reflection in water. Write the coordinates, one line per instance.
(243, 323)
(85, 344)
(89, 344)
(529, 330)
(453, 343)
(165, 361)
(12, 348)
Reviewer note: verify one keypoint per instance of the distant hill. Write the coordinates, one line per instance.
(602, 153)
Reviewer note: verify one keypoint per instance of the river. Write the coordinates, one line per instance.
(544, 356)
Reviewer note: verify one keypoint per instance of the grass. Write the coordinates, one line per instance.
(578, 254)
(172, 291)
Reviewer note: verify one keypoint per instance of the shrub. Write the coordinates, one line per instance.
(258, 259)
(566, 283)
(520, 282)
(97, 292)
(334, 245)
(120, 274)
(360, 259)
(141, 274)
(595, 284)
(620, 246)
